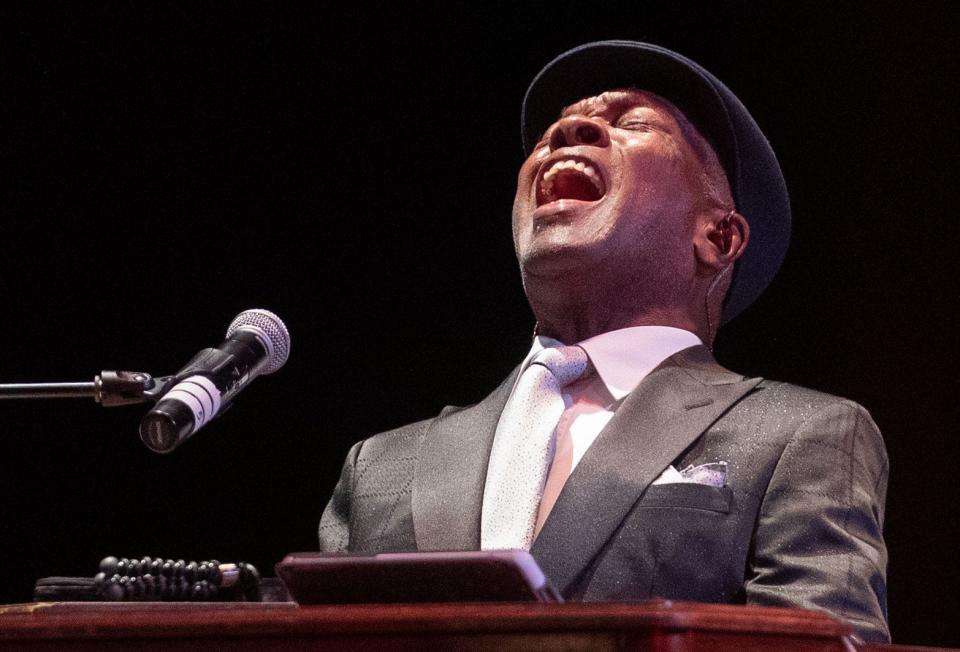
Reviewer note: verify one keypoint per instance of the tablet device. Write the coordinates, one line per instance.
(396, 577)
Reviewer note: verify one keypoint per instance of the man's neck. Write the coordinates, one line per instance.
(577, 306)
(576, 324)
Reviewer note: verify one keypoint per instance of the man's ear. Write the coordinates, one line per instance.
(719, 241)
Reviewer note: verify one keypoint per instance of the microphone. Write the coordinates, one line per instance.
(257, 343)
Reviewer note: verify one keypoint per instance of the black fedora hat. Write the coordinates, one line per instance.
(756, 181)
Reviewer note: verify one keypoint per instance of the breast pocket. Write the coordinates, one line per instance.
(684, 495)
(687, 532)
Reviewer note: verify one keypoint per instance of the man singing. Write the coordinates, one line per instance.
(650, 211)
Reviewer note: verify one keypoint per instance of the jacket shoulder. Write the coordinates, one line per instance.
(398, 437)
(799, 394)
(814, 417)
(399, 440)
(804, 402)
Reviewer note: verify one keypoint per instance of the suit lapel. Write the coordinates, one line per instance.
(666, 413)
(451, 471)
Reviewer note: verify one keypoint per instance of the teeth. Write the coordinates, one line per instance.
(546, 184)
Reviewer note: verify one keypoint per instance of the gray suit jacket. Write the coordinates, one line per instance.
(798, 524)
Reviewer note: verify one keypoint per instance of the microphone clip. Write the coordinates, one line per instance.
(113, 388)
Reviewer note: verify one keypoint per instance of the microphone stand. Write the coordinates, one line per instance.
(109, 389)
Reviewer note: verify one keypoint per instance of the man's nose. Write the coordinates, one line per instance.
(578, 130)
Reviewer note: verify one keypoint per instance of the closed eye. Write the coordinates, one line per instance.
(633, 124)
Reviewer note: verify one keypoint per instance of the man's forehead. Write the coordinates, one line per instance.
(617, 100)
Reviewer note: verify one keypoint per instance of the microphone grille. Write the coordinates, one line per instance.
(275, 330)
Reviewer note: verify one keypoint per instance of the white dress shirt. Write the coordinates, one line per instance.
(621, 358)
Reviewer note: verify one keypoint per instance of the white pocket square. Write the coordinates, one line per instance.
(713, 474)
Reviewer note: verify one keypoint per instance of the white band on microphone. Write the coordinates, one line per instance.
(200, 395)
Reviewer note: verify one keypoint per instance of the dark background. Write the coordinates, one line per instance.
(353, 169)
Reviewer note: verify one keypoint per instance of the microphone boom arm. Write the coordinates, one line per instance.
(109, 388)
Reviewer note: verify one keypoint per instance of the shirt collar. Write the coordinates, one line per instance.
(624, 357)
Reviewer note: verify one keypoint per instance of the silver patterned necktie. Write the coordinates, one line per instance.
(523, 448)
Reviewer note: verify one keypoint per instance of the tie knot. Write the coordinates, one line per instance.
(566, 363)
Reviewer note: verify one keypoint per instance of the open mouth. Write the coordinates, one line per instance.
(570, 178)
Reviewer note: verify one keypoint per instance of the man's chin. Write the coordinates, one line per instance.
(555, 262)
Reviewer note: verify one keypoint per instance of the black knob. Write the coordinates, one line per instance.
(198, 592)
(114, 593)
(149, 586)
(248, 574)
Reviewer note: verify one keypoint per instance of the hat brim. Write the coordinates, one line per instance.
(755, 178)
